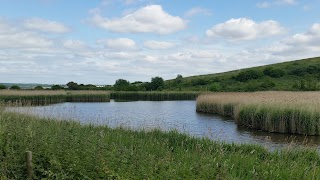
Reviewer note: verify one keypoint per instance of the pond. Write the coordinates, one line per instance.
(167, 115)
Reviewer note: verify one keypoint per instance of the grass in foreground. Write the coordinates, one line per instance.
(68, 150)
(284, 112)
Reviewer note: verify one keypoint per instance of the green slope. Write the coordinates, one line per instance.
(296, 75)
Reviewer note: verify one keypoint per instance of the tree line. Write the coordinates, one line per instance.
(156, 84)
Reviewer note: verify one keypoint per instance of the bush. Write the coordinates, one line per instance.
(272, 72)
(56, 87)
(2, 86)
(197, 82)
(248, 75)
(15, 87)
(215, 87)
(38, 88)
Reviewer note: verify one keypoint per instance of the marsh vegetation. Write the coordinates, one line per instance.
(284, 112)
(69, 150)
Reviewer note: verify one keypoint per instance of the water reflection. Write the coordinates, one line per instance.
(167, 115)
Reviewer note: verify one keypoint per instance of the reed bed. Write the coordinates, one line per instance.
(283, 112)
(153, 96)
(69, 150)
(43, 97)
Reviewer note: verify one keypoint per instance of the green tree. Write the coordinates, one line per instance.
(121, 85)
(72, 85)
(178, 79)
(15, 87)
(2, 86)
(56, 87)
(157, 83)
(38, 88)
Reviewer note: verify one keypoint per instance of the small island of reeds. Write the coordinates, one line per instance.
(283, 112)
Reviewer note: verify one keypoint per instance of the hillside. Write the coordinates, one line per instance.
(298, 75)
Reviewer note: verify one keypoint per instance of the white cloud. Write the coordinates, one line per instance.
(149, 19)
(306, 43)
(74, 44)
(268, 4)
(120, 44)
(12, 37)
(245, 29)
(45, 25)
(198, 11)
(158, 44)
(23, 40)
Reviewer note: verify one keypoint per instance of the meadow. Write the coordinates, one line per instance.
(69, 150)
(43, 97)
(284, 112)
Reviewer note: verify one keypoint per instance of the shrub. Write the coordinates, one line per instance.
(248, 75)
(272, 72)
(215, 87)
(15, 87)
(199, 81)
(2, 86)
(38, 88)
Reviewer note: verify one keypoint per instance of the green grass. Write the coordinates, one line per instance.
(298, 75)
(153, 96)
(69, 150)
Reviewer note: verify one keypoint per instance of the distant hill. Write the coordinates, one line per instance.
(298, 75)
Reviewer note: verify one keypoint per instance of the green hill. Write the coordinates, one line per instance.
(299, 75)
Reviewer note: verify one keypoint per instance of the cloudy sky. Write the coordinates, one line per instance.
(100, 41)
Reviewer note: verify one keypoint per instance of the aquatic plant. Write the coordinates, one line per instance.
(284, 112)
(43, 97)
(153, 96)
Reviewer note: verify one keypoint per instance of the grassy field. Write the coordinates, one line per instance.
(284, 112)
(153, 96)
(299, 75)
(68, 150)
(42, 97)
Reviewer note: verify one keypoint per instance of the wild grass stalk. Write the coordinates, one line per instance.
(284, 112)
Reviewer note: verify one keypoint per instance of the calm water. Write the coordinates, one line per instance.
(167, 115)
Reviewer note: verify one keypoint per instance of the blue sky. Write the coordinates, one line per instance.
(100, 41)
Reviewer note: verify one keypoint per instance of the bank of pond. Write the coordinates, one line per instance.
(71, 150)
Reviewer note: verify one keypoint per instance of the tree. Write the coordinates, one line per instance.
(121, 85)
(156, 83)
(2, 86)
(178, 79)
(73, 86)
(56, 87)
(15, 87)
(38, 88)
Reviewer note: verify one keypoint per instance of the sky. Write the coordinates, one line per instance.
(100, 41)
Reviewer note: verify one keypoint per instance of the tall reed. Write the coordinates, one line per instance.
(153, 96)
(284, 112)
(43, 97)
